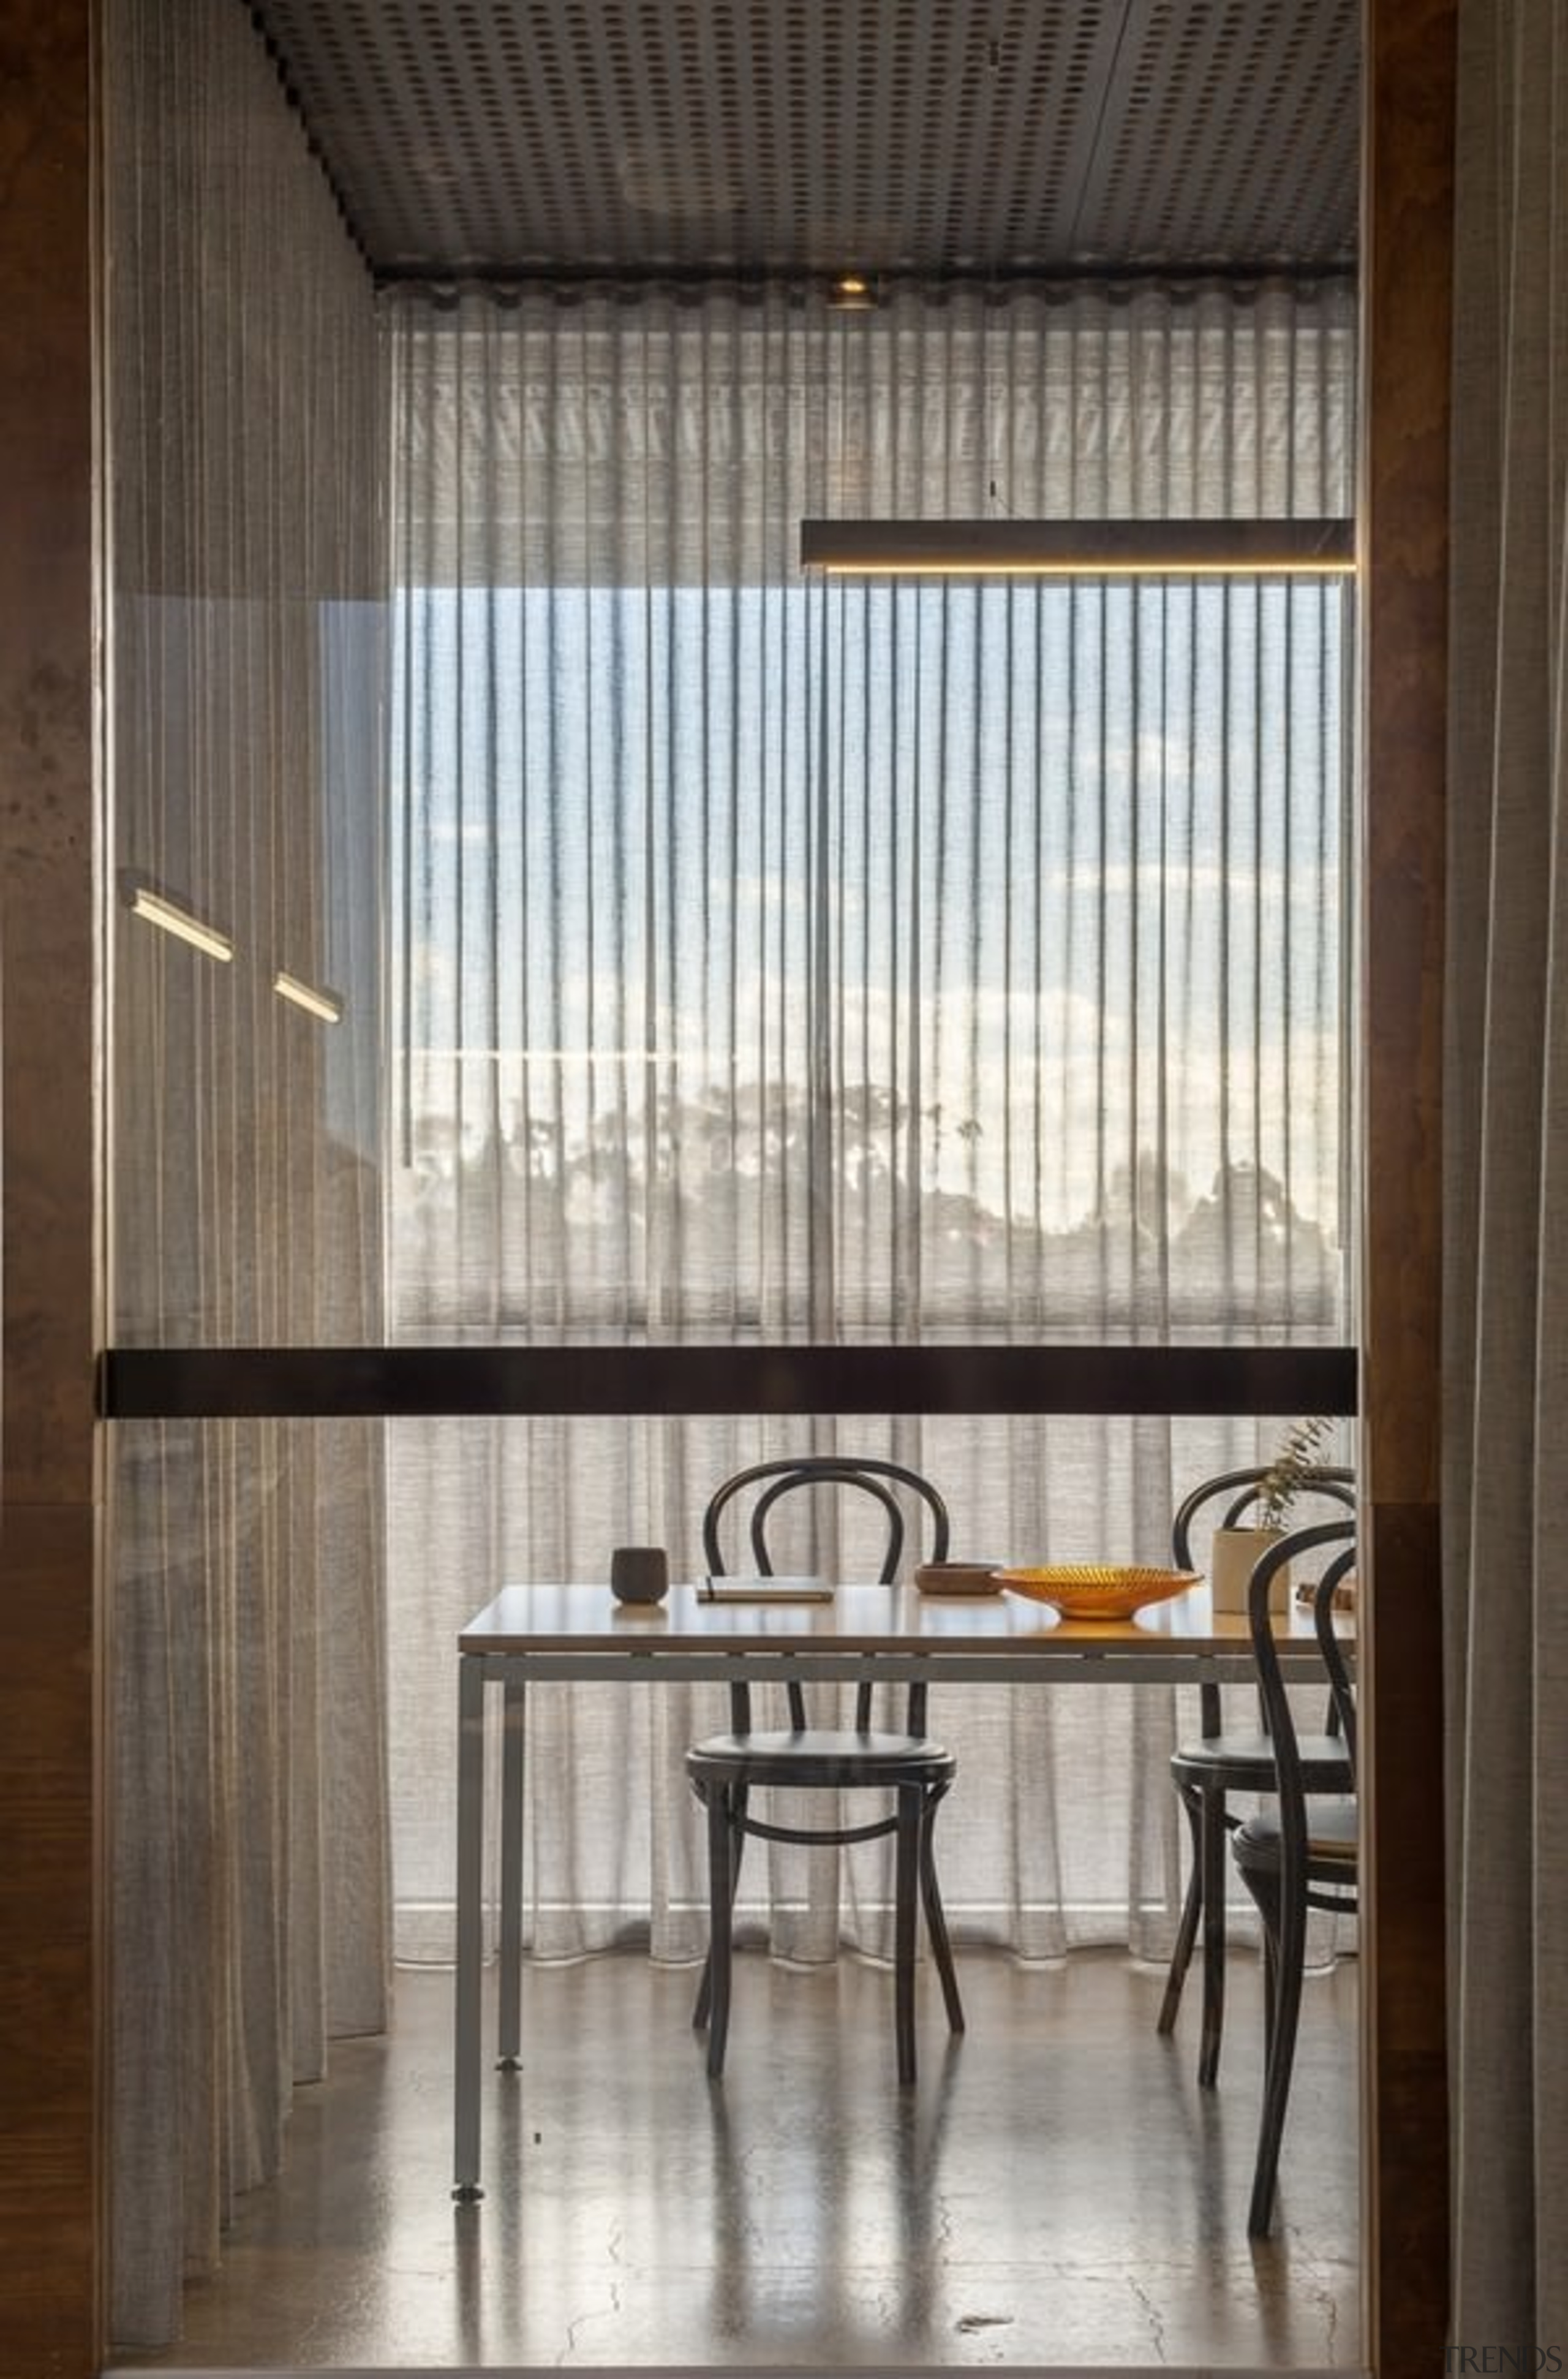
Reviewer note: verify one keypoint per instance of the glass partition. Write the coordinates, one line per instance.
(540, 922)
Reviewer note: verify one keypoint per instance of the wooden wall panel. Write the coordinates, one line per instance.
(49, 2173)
(1408, 257)
(49, 2205)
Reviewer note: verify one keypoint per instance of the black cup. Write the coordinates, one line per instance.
(639, 1573)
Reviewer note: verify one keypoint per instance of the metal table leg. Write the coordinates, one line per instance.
(510, 2043)
(470, 1923)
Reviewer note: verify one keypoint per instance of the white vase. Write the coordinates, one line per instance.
(1231, 1558)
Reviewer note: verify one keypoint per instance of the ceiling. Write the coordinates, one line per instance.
(993, 137)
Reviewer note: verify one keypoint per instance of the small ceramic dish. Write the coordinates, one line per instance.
(956, 1577)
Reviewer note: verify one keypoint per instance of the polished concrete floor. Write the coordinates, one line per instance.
(1055, 2192)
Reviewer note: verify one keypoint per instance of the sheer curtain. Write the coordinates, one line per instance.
(1505, 1106)
(787, 960)
(246, 1790)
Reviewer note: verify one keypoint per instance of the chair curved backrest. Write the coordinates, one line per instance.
(784, 1476)
(1224, 1501)
(1278, 1717)
(1237, 1491)
(874, 1477)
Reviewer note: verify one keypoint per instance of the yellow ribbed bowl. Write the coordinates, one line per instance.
(1097, 1589)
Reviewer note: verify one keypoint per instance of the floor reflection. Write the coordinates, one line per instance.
(1054, 2191)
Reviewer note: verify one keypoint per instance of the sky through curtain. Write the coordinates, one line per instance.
(1065, 866)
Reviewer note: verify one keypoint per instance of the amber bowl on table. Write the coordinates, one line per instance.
(1097, 1589)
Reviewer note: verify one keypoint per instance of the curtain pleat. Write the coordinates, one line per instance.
(1505, 1106)
(848, 961)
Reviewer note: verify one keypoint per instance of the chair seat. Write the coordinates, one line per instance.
(823, 1757)
(1247, 1762)
(1332, 1837)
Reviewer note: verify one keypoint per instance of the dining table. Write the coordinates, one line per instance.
(542, 1633)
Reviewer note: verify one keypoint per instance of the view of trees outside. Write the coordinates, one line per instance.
(722, 1192)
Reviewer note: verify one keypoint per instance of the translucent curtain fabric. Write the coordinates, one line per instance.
(1505, 1204)
(781, 961)
(246, 1790)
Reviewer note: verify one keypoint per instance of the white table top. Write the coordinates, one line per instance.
(586, 1617)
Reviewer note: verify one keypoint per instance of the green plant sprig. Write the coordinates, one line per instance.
(1300, 1453)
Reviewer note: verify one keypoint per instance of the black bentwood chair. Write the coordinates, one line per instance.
(727, 1768)
(1213, 1766)
(1300, 1851)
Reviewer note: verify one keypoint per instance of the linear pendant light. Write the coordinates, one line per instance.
(324, 1004)
(1080, 548)
(171, 918)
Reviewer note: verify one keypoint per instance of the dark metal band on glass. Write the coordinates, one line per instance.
(319, 1383)
(1072, 548)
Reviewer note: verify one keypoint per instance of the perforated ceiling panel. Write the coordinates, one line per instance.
(805, 136)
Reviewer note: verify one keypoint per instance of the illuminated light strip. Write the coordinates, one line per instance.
(324, 1004)
(171, 919)
(1060, 549)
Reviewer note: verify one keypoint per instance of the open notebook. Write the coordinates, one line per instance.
(762, 1590)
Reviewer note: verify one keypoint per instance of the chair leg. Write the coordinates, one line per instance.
(721, 1894)
(936, 1921)
(1213, 1839)
(906, 1891)
(1271, 1975)
(1191, 1909)
(737, 1825)
(1265, 1891)
(1290, 1952)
